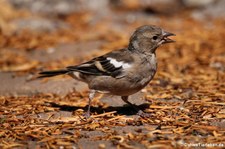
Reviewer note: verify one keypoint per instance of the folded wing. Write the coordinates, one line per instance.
(101, 66)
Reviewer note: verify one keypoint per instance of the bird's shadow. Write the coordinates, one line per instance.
(123, 110)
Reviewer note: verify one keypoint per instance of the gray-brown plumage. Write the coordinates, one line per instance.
(121, 72)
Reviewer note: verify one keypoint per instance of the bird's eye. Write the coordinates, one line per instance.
(154, 37)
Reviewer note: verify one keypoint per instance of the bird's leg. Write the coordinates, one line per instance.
(91, 96)
(125, 99)
(139, 111)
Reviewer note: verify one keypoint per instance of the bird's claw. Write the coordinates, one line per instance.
(143, 114)
(87, 115)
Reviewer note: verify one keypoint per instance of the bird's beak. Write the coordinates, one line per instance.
(165, 37)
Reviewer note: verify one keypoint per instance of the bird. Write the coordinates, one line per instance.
(120, 72)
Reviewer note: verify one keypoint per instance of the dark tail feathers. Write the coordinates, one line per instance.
(53, 73)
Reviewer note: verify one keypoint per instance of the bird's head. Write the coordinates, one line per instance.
(148, 38)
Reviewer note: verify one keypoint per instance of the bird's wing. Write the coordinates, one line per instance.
(110, 64)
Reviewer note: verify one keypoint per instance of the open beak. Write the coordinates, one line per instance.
(165, 37)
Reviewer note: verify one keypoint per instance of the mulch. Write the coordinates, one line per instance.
(187, 95)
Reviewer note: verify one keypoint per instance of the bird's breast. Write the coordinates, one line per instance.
(146, 71)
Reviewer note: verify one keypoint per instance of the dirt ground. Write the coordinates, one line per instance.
(186, 98)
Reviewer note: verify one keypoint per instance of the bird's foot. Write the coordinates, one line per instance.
(143, 114)
(87, 115)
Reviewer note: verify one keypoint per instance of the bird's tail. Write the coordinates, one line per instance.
(53, 73)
